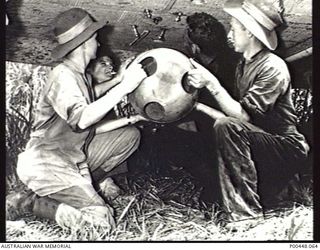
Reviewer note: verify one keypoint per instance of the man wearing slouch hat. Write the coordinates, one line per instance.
(258, 145)
(70, 152)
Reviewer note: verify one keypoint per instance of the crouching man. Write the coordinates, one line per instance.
(258, 145)
(70, 150)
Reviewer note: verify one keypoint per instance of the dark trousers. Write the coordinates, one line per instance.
(253, 165)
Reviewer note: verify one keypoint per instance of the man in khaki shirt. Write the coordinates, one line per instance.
(259, 148)
(71, 149)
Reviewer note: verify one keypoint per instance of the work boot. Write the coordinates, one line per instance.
(109, 190)
(45, 208)
(19, 204)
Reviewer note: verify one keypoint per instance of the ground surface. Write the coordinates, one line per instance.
(163, 207)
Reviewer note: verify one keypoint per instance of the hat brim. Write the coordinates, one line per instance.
(268, 38)
(63, 49)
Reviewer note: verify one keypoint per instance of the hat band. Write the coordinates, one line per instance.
(257, 14)
(75, 30)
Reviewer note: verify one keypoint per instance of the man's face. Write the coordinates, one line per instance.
(103, 69)
(238, 36)
(92, 46)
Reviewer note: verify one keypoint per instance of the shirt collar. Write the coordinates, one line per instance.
(255, 56)
(73, 65)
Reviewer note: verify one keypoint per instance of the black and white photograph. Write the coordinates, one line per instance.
(159, 121)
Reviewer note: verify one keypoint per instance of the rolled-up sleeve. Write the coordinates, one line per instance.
(66, 98)
(269, 84)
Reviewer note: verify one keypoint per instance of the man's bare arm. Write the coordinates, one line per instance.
(200, 77)
(103, 87)
(96, 110)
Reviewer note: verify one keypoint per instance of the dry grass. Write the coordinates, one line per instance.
(147, 213)
(168, 222)
(155, 208)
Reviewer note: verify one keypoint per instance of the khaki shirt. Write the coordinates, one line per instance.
(263, 87)
(56, 151)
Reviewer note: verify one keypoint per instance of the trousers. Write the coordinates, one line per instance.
(106, 151)
(253, 165)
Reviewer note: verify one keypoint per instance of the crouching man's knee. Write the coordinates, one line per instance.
(227, 129)
(223, 124)
(132, 137)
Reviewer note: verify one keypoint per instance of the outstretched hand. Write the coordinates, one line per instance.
(200, 77)
(122, 68)
(138, 118)
(133, 76)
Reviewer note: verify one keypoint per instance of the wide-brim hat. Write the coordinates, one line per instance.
(254, 18)
(72, 28)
